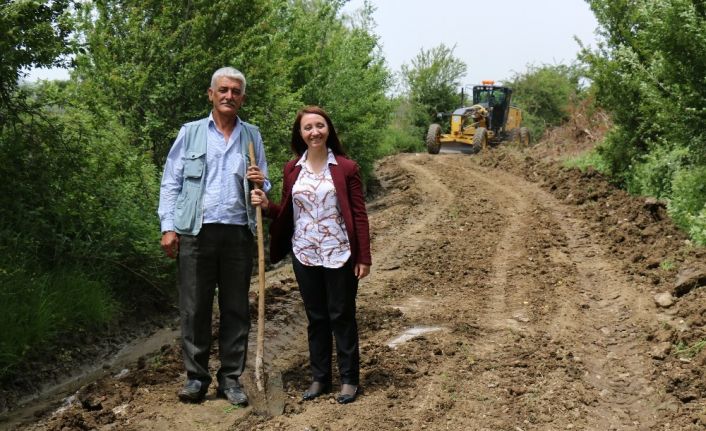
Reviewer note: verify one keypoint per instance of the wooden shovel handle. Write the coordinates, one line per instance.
(260, 352)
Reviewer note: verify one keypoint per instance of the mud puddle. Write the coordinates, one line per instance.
(410, 334)
(52, 395)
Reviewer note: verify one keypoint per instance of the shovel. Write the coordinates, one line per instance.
(270, 396)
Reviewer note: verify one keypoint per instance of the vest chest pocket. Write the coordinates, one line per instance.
(188, 202)
(194, 163)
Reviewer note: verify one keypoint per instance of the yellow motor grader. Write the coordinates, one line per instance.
(488, 121)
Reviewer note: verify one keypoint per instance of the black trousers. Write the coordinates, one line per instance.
(219, 256)
(329, 299)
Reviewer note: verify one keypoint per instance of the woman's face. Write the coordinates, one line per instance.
(314, 131)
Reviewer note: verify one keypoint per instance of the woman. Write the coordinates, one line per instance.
(322, 220)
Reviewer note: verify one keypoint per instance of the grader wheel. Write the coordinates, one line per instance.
(480, 139)
(433, 140)
(525, 138)
(514, 137)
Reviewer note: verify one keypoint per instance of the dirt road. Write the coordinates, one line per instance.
(506, 294)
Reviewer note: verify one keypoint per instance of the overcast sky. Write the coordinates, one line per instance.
(494, 38)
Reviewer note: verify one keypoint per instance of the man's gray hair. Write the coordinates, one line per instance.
(228, 72)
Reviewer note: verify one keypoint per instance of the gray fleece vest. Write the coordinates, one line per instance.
(188, 213)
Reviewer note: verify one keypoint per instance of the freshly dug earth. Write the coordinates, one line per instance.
(532, 291)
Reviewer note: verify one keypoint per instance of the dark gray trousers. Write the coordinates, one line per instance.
(329, 300)
(219, 256)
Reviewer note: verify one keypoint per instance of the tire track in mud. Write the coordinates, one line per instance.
(597, 317)
(450, 229)
(429, 203)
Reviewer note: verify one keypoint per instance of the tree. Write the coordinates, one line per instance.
(338, 65)
(33, 33)
(648, 72)
(544, 93)
(432, 81)
(151, 62)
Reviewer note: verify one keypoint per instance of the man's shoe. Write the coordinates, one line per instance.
(348, 393)
(193, 391)
(316, 389)
(234, 395)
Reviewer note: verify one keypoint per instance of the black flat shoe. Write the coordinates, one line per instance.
(315, 390)
(346, 396)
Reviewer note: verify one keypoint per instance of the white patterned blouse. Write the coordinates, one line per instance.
(320, 237)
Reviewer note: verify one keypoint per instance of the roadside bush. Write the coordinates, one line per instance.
(651, 82)
(401, 135)
(544, 93)
(80, 193)
(616, 155)
(589, 159)
(77, 224)
(399, 141)
(654, 175)
(697, 228)
(687, 204)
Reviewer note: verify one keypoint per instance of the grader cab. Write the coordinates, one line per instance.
(487, 122)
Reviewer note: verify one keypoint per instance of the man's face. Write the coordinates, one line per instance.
(227, 96)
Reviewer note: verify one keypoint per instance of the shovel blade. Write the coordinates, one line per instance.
(270, 401)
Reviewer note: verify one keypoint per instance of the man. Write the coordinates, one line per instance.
(208, 225)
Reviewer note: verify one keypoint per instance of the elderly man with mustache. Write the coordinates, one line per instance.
(208, 224)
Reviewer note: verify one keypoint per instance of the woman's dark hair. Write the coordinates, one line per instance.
(332, 142)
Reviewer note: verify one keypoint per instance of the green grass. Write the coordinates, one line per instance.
(667, 265)
(399, 141)
(684, 351)
(697, 230)
(36, 308)
(588, 159)
(231, 409)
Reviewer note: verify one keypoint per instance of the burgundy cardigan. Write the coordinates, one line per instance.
(349, 191)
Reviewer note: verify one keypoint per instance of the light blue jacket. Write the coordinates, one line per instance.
(188, 208)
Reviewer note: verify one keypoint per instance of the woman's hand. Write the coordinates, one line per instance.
(258, 198)
(361, 270)
(254, 175)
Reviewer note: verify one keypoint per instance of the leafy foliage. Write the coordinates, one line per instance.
(80, 192)
(33, 33)
(76, 229)
(432, 81)
(545, 93)
(151, 63)
(401, 135)
(688, 203)
(585, 161)
(648, 72)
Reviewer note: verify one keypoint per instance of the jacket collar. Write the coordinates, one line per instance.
(331, 160)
